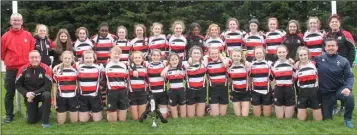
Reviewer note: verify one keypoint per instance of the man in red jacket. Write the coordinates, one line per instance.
(15, 47)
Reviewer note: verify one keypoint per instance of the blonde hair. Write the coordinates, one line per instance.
(90, 52)
(302, 48)
(136, 53)
(178, 22)
(232, 19)
(236, 50)
(82, 28)
(317, 20)
(156, 24)
(38, 26)
(213, 49)
(210, 27)
(67, 52)
(124, 28)
(273, 19)
(116, 49)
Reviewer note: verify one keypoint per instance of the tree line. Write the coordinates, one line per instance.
(73, 14)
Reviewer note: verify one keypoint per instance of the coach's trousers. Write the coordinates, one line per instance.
(35, 113)
(328, 100)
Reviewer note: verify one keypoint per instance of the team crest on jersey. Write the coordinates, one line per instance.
(40, 75)
(25, 40)
(27, 75)
(338, 63)
(339, 38)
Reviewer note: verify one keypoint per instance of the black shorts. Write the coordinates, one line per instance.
(90, 103)
(240, 96)
(177, 97)
(284, 96)
(117, 100)
(138, 97)
(271, 57)
(261, 99)
(66, 104)
(161, 98)
(309, 97)
(196, 95)
(218, 95)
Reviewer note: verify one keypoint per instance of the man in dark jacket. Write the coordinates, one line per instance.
(34, 81)
(335, 81)
(15, 47)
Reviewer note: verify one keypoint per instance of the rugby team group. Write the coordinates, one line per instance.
(189, 75)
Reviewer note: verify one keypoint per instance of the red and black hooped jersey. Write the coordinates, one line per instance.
(156, 82)
(238, 74)
(175, 78)
(251, 41)
(233, 40)
(307, 76)
(89, 79)
(273, 40)
(260, 73)
(195, 75)
(177, 45)
(125, 47)
(66, 81)
(140, 44)
(81, 46)
(158, 42)
(283, 73)
(216, 73)
(313, 41)
(117, 75)
(102, 46)
(214, 42)
(137, 83)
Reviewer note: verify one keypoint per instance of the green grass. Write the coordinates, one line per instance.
(229, 124)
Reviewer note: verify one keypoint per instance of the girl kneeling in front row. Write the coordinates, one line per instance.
(282, 71)
(65, 89)
(307, 82)
(89, 77)
(259, 77)
(116, 74)
(175, 75)
(238, 74)
(137, 85)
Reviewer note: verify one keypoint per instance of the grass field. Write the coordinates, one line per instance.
(229, 124)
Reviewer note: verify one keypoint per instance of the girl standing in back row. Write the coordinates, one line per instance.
(273, 38)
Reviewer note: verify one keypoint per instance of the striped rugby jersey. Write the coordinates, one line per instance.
(313, 41)
(117, 75)
(66, 81)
